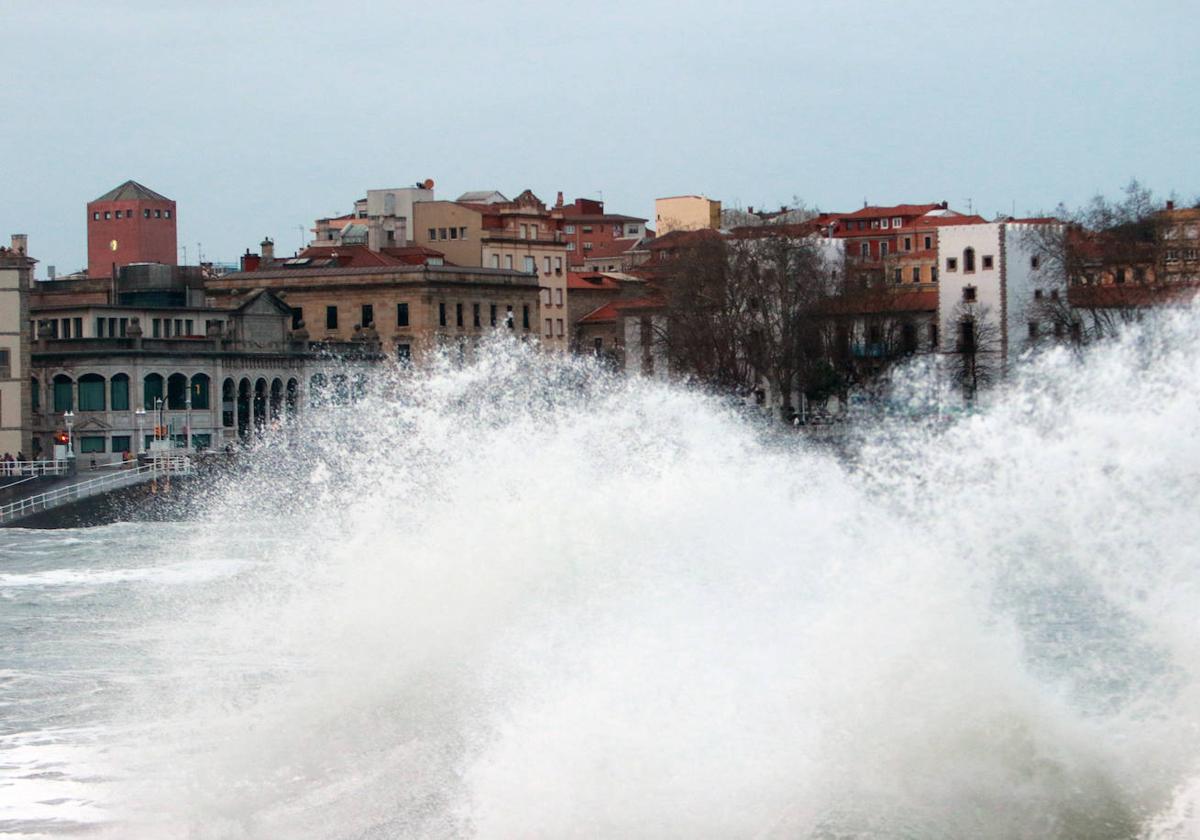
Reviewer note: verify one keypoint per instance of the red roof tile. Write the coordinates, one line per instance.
(591, 281)
(895, 210)
(606, 314)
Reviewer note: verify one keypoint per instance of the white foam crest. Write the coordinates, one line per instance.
(523, 599)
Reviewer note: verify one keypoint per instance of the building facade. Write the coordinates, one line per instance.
(519, 235)
(686, 212)
(408, 311)
(16, 276)
(204, 391)
(130, 224)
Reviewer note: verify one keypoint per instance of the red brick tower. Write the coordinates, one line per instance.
(130, 224)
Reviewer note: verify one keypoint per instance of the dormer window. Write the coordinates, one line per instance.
(896, 221)
(885, 224)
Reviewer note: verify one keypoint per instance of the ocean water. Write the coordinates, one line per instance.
(522, 598)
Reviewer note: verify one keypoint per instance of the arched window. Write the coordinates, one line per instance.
(152, 390)
(260, 403)
(63, 394)
(228, 401)
(177, 391)
(293, 389)
(200, 391)
(968, 259)
(119, 386)
(35, 393)
(276, 398)
(91, 392)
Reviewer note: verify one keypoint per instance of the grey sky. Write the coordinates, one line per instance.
(258, 117)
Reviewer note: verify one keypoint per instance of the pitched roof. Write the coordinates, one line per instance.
(929, 220)
(481, 197)
(345, 256)
(606, 248)
(606, 314)
(591, 281)
(132, 191)
(895, 210)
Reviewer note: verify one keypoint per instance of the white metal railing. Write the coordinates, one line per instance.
(33, 469)
(156, 467)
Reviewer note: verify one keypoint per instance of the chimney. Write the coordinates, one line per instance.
(559, 201)
(1170, 206)
(20, 242)
(267, 249)
(249, 261)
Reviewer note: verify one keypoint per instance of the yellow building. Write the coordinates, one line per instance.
(686, 212)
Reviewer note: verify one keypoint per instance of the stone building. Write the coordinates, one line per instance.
(520, 235)
(16, 275)
(409, 310)
(207, 387)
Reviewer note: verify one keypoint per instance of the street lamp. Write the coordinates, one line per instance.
(69, 420)
(141, 441)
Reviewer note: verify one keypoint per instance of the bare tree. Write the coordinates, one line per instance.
(744, 311)
(974, 354)
(1111, 257)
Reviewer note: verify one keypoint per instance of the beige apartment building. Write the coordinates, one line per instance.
(686, 212)
(509, 236)
(409, 310)
(16, 274)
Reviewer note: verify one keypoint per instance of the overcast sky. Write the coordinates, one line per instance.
(258, 117)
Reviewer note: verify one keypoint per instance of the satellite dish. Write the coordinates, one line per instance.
(428, 184)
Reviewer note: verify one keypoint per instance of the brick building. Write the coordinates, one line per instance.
(130, 224)
(592, 233)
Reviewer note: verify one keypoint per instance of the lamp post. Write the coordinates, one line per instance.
(69, 420)
(141, 441)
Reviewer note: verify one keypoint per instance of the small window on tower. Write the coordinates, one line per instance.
(145, 214)
(166, 214)
(158, 214)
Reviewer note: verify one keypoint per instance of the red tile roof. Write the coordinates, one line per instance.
(591, 281)
(414, 254)
(606, 314)
(348, 256)
(895, 210)
(945, 221)
(607, 248)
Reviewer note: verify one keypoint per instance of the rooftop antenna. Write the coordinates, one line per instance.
(969, 205)
(184, 249)
(301, 229)
(199, 254)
